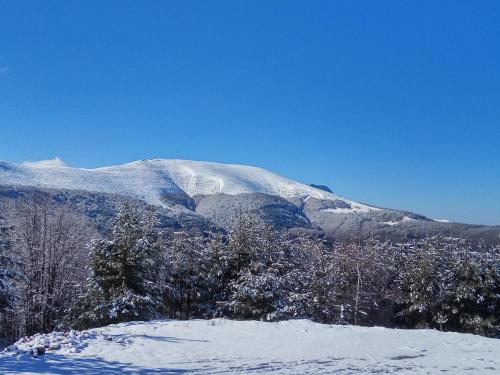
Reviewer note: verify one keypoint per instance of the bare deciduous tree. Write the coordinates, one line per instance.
(48, 243)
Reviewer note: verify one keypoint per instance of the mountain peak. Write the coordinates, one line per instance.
(152, 178)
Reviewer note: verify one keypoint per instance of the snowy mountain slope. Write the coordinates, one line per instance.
(251, 347)
(150, 179)
(212, 193)
(97, 208)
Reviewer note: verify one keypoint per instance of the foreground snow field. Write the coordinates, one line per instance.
(290, 347)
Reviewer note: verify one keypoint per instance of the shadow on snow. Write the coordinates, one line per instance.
(57, 364)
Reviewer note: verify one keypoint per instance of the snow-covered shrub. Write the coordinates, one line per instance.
(62, 342)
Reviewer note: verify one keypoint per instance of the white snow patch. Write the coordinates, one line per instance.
(442, 220)
(355, 208)
(403, 220)
(49, 163)
(289, 347)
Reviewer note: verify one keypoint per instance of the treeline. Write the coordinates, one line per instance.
(51, 276)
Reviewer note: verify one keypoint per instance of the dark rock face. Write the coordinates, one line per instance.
(321, 187)
(224, 210)
(179, 198)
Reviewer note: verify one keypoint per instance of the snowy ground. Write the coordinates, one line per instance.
(229, 347)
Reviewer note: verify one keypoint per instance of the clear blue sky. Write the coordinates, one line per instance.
(394, 103)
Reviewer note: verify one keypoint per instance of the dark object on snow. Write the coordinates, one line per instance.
(39, 350)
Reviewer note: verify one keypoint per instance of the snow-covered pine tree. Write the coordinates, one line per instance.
(125, 273)
(231, 261)
(474, 288)
(490, 303)
(446, 283)
(421, 287)
(188, 282)
(256, 291)
(220, 273)
(272, 284)
(294, 265)
(491, 289)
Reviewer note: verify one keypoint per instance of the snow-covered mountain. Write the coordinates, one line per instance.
(151, 179)
(199, 194)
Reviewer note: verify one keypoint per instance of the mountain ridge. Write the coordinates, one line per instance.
(149, 179)
(200, 194)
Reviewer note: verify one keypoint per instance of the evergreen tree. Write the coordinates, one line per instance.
(270, 283)
(422, 283)
(188, 291)
(474, 290)
(220, 272)
(325, 297)
(125, 273)
(231, 262)
(256, 290)
(294, 265)
(445, 284)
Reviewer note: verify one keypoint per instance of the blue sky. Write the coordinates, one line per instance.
(394, 103)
